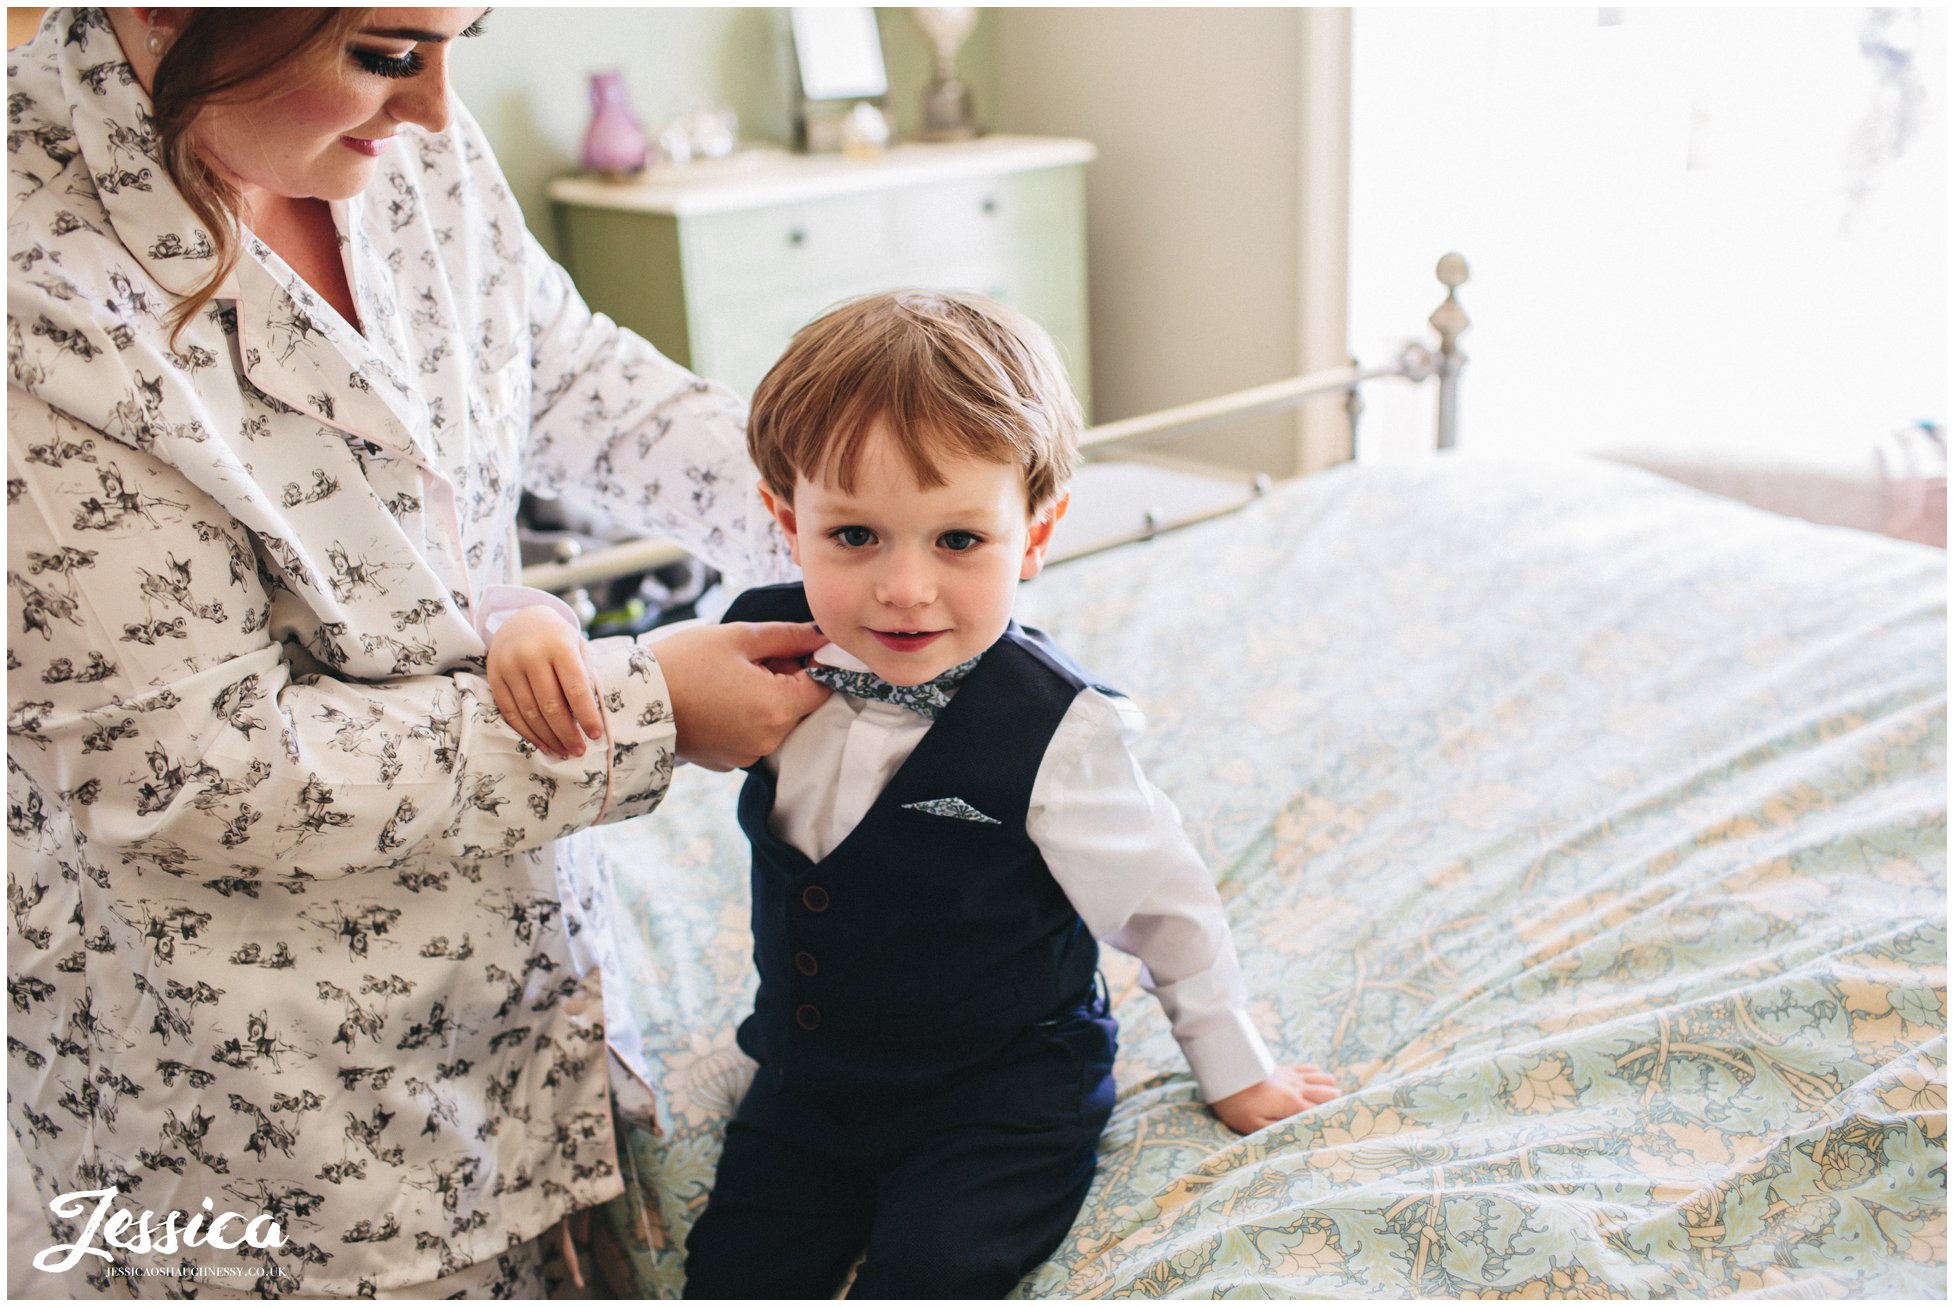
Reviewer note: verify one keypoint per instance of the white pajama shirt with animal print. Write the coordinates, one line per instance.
(298, 923)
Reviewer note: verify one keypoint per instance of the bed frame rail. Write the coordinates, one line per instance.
(1416, 363)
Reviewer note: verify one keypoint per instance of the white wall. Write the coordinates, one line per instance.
(1669, 254)
(1193, 205)
(527, 78)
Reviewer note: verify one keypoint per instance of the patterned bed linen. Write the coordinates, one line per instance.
(1592, 829)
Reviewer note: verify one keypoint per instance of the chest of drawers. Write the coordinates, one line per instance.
(718, 264)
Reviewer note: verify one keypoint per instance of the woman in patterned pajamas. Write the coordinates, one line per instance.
(300, 927)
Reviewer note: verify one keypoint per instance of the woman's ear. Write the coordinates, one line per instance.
(1040, 539)
(783, 512)
(167, 21)
(145, 36)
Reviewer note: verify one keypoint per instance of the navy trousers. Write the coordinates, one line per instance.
(955, 1191)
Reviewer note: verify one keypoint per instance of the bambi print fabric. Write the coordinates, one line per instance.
(299, 925)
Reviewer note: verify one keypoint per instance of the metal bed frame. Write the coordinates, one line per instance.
(577, 570)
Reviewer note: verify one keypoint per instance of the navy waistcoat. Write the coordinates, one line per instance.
(922, 944)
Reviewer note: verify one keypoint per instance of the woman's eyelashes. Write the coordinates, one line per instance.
(382, 64)
(389, 65)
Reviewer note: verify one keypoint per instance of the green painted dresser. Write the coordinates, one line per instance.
(720, 262)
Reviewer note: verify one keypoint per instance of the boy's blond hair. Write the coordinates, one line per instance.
(947, 374)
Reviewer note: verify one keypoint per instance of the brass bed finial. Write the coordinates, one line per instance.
(1416, 363)
(1449, 320)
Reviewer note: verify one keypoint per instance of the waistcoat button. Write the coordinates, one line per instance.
(814, 899)
(807, 1016)
(805, 964)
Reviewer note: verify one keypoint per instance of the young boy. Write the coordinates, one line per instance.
(937, 848)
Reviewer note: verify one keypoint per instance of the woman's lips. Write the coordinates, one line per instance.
(906, 641)
(373, 148)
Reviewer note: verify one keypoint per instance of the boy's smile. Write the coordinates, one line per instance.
(906, 641)
(913, 580)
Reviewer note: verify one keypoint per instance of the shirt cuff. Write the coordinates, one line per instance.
(639, 729)
(1228, 1057)
(657, 633)
(495, 604)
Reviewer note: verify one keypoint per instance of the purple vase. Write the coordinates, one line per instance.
(615, 143)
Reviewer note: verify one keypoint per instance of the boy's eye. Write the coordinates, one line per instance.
(855, 537)
(389, 65)
(958, 541)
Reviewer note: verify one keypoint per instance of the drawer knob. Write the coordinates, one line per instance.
(990, 204)
(797, 235)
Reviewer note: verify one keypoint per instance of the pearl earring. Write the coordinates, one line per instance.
(154, 42)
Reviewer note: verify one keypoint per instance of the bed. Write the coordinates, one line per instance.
(1591, 828)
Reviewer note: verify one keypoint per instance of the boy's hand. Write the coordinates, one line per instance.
(537, 672)
(1287, 1091)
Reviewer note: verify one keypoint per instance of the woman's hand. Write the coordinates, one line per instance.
(738, 688)
(536, 670)
(1287, 1091)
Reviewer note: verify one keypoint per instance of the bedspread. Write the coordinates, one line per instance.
(1591, 829)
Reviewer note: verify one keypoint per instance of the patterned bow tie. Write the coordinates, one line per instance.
(927, 699)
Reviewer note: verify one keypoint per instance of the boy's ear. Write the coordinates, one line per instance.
(783, 513)
(1040, 539)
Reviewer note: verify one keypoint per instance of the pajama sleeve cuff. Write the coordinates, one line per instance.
(640, 731)
(495, 603)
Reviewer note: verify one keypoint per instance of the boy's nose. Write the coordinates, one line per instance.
(904, 584)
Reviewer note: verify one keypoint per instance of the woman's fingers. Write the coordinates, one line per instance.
(729, 708)
(782, 649)
(766, 641)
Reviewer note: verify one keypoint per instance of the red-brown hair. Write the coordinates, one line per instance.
(945, 374)
(232, 56)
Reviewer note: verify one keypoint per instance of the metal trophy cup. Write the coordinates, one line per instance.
(946, 102)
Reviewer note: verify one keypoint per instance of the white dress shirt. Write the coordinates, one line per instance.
(1114, 844)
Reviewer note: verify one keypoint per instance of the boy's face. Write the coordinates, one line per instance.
(913, 581)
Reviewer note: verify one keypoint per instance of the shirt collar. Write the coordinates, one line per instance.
(295, 347)
(868, 711)
(833, 655)
(115, 130)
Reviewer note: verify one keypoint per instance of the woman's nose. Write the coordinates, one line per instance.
(423, 100)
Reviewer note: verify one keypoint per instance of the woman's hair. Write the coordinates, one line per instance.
(945, 374)
(229, 57)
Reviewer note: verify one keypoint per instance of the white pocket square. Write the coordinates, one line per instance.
(952, 808)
